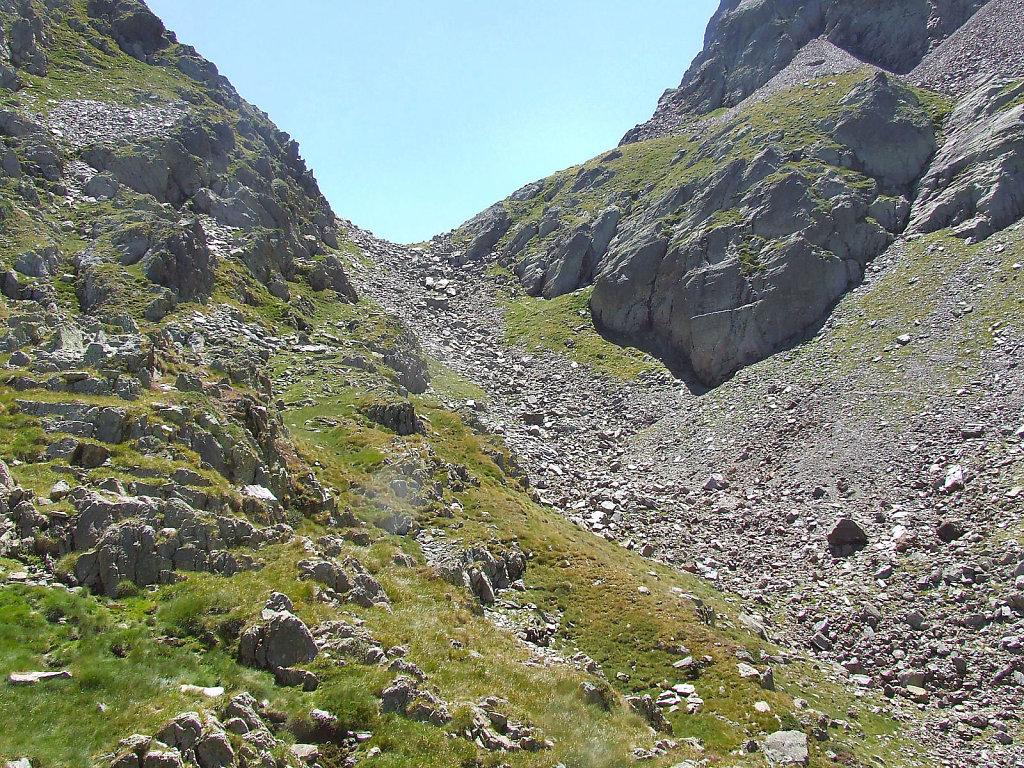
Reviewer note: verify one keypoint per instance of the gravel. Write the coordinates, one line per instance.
(990, 43)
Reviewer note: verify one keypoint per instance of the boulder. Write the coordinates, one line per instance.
(891, 137)
(405, 697)
(648, 708)
(329, 273)
(7, 482)
(41, 262)
(102, 186)
(399, 417)
(183, 262)
(89, 455)
(949, 531)
(280, 640)
(846, 536)
(182, 732)
(125, 552)
(137, 30)
(160, 758)
(786, 748)
(214, 750)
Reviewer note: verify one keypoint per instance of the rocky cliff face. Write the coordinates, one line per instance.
(748, 42)
(719, 239)
(188, 177)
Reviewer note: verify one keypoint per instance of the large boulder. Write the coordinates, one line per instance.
(137, 30)
(329, 273)
(786, 748)
(125, 552)
(399, 417)
(846, 537)
(280, 640)
(183, 262)
(890, 136)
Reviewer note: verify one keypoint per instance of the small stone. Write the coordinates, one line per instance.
(916, 620)
(31, 678)
(955, 479)
(716, 482)
(746, 671)
(918, 694)
(306, 753)
(59, 490)
(212, 693)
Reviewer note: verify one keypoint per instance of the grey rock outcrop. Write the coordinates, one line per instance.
(183, 263)
(145, 540)
(648, 709)
(976, 183)
(486, 229)
(484, 572)
(571, 262)
(399, 417)
(350, 581)
(748, 43)
(724, 296)
(329, 273)
(137, 30)
(890, 143)
(408, 698)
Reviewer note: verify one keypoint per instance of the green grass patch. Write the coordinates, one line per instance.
(565, 325)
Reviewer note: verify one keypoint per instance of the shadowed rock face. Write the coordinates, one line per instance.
(750, 41)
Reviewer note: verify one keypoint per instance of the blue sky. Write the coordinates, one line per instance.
(416, 115)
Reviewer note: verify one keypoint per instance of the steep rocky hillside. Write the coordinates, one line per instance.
(829, 263)
(246, 520)
(718, 241)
